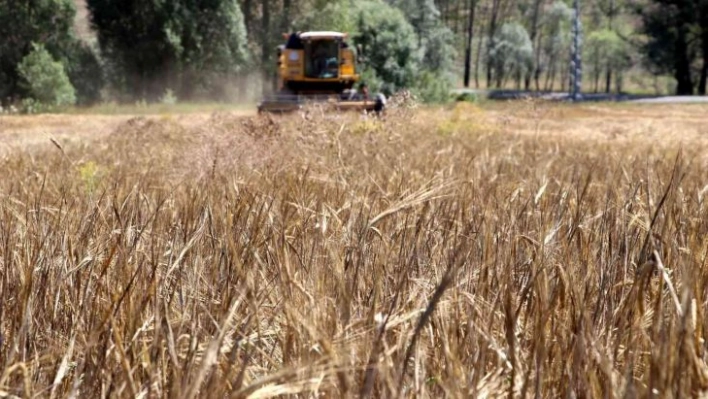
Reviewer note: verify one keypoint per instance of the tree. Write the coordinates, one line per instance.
(423, 15)
(435, 40)
(190, 46)
(472, 5)
(606, 51)
(611, 9)
(388, 44)
(556, 30)
(25, 22)
(85, 71)
(45, 79)
(703, 15)
(669, 24)
(436, 43)
(213, 47)
(535, 20)
(512, 53)
(265, 43)
(339, 15)
(492, 33)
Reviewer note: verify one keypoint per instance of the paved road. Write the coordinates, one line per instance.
(674, 100)
(588, 97)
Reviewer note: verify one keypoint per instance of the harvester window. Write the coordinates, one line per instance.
(322, 59)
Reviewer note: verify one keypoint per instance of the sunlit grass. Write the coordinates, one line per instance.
(159, 108)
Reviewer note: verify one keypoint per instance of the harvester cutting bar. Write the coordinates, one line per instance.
(294, 102)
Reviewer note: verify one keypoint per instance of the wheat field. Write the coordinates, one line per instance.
(515, 250)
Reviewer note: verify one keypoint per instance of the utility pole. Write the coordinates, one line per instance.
(576, 62)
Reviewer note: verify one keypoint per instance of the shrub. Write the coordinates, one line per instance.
(467, 97)
(45, 79)
(432, 87)
(169, 97)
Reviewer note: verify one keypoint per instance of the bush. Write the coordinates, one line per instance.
(169, 98)
(45, 79)
(467, 97)
(432, 87)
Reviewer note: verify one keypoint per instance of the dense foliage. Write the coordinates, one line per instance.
(186, 45)
(23, 23)
(45, 79)
(678, 36)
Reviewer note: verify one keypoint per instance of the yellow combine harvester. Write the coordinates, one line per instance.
(318, 67)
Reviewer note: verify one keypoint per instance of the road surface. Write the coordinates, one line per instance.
(586, 97)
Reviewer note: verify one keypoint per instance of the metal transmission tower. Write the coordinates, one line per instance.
(576, 75)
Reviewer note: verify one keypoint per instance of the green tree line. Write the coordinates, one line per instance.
(527, 43)
(145, 50)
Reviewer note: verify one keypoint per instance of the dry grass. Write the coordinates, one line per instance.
(453, 253)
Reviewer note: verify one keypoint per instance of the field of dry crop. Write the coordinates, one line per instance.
(520, 249)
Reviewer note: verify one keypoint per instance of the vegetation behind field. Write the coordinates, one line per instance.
(543, 250)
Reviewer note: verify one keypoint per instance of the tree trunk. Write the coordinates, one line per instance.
(265, 45)
(704, 77)
(547, 83)
(491, 33)
(445, 12)
(285, 21)
(248, 15)
(532, 36)
(470, 32)
(596, 73)
(456, 27)
(478, 56)
(610, 25)
(565, 79)
(551, 73)
(608, 78)
(682, 64)
(499, 75)
(537, 68)
(704, 46)
(518, 80)
(618, 82)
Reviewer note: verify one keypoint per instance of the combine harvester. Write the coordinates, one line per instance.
(318, 67)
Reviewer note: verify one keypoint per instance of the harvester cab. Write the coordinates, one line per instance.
(316, 67)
